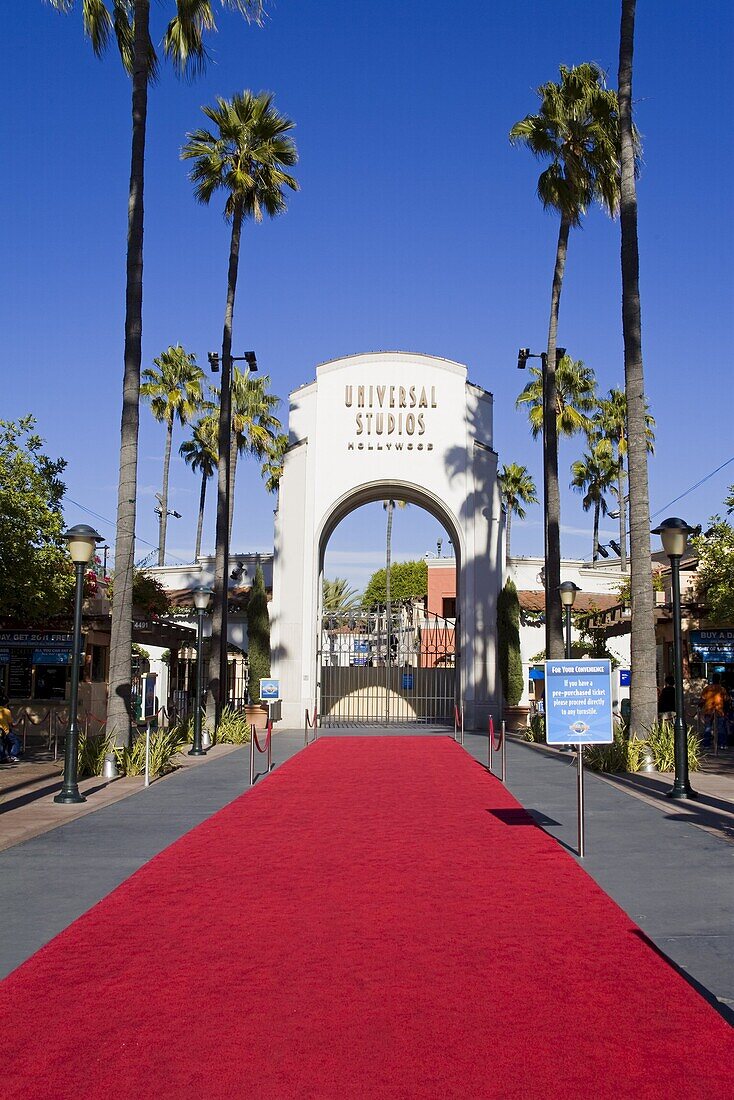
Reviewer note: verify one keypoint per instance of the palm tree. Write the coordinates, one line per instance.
(200, 453)
(247, 158)
(575, 398)
(389, 506)
(577, 130)
(517, 488)
(643, 694)
(593, 475)
(254, 427)
(175, 393)
(272, 467)
(338, 597)
(183, 43)
(611, 424)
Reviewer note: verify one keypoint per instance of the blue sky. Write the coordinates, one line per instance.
(417, 227)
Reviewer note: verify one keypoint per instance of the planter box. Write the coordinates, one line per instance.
(516, 718)
(256, 716)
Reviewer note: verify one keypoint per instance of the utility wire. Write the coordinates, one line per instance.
(690, 490)
(106, 519)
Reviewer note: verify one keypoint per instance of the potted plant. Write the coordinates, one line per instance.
(258, 643)
(510, 660)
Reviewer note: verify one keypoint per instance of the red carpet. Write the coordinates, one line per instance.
(378, 918)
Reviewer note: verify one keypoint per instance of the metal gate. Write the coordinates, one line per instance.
(382, 670)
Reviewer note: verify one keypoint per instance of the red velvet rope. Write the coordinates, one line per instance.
(457, 717)
(269, 728)
(498, 746)
(312, 724)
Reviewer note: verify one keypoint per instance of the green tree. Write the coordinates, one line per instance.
(577, 130)
(246, 156)
(613, 442)
(508, 644)
(128, 21)
(200, 453)
(338, 597)
(715, 572)
(36, 576)
(175, 393)
(258, 635)
(643, 693)
(516, 488)
(593, 475)
(254, 427)
(408, 580)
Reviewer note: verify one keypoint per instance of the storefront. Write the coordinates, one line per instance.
(35, 664)
(712, 652)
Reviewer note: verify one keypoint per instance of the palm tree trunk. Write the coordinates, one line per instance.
(232, 478)
(200, 524)
(554, 647)
(643, 693)
(119, 708)
(595, 541)
(162, 526)
(217, 685)
(509, 527)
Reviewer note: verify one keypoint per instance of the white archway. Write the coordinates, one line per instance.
(373, 427)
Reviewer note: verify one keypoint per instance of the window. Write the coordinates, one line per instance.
(449, 607)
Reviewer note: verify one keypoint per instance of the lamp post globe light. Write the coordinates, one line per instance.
(82, 542)
(202, 597)
(568, 592)
(674, 534)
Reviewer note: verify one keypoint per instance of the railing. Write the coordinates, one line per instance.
(310, 723)
(267, 748)
(501, 747)
(459, 723)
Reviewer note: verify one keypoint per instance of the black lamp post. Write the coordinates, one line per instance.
(674, 534)
(201, 603)
(82, 542)
(568, 592)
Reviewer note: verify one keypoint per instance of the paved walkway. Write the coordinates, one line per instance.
(674, 879)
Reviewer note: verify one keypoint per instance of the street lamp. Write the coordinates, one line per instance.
(82, 542)
(568, 592)
(201, 603)
(221, 562)
(674, 534)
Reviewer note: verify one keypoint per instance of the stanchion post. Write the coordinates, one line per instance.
(305, 730)
(580, 780)
(270, 748)
(504, 752)
(462, 724)
(490, 732)
(252, 756)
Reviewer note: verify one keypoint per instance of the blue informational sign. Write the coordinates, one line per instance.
(625, 677)
(407, 681)
(360, 652)
(51, 656)
(578, 702)
(713, 645)
(270, 689)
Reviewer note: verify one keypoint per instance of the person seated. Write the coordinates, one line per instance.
(11, 749)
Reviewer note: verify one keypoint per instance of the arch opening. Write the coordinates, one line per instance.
(389, 653)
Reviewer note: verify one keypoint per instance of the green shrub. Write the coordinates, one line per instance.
(536, 730)
(258, 636)
(610, 758)
(164, 746)
(508, 642)
(92, 753)
(233, 728)
(660, 738)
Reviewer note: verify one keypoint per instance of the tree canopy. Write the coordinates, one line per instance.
(715, 576)
(408, 579)
(36, 576)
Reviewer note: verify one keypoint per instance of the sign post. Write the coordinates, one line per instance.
(578, 711)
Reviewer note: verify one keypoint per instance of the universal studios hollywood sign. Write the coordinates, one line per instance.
(390, 417)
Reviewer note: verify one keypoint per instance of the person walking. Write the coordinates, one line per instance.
(714, 704)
